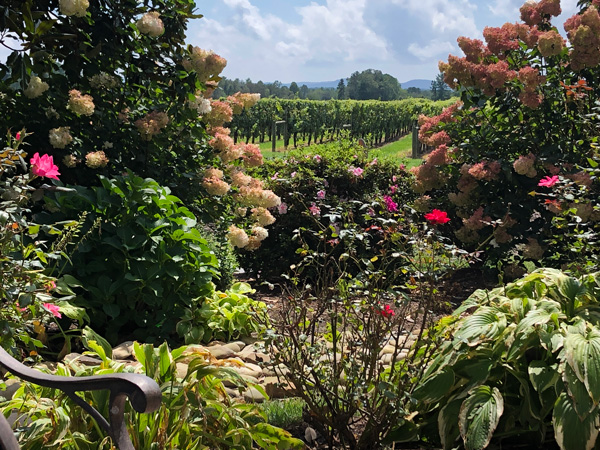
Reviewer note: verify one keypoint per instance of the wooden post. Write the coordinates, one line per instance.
(415, 140)
(274, 136)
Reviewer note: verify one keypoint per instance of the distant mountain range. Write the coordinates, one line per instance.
(421, 84)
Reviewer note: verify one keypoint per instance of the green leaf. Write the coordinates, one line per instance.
(165, 359)
(448, 423)
(542, 376)
(479, 416)
(485, 323)
(435, 387)
(570, 432)
(583, 355)
(88, 335)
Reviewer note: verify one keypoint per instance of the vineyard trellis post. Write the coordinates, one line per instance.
(415, 140)
(274, 133)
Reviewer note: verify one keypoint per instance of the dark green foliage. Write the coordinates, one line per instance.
(298, 179)
(143, 262)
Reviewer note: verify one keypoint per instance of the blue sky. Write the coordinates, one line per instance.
(323, 40)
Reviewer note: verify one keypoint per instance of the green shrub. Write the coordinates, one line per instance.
(142, 264)
(317, 186)
(225, 255)
(522, 363)
(195, 412)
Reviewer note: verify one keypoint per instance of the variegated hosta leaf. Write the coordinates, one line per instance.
(570, 432)
(479, 417)
(583, 355)
(577, 391)
(448, 423)
(486, 323)
(542, 376)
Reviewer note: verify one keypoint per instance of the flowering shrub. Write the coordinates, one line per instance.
(508, 140)
(31, 301)
(335, 178)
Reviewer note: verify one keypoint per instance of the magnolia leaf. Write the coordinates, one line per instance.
(571, 432)
(479, 416)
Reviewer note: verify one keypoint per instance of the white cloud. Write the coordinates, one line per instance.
(505, 8)
(455, 16)
(334, 32)
(435, 48)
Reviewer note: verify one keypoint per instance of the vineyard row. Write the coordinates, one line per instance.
(309, 121)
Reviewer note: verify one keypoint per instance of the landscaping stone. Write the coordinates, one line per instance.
(83, 359)
(123, 351)
(220, 351)
(234, 346)
(253, 395)
(276, 389)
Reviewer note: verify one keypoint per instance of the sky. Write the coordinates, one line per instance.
(325, 40)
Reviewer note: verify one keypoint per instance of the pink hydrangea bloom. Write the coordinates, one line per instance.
(44, 166)
(317, 158)
(52, 309)
(548, 181)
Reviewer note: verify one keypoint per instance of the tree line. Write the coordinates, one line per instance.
(366, 85)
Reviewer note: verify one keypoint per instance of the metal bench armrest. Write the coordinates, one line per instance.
(142, 391)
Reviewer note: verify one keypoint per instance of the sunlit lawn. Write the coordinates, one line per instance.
(400, 150)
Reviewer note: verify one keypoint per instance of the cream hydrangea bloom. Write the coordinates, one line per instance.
(81, 104)
(60, 137)
(151, 24)
(77, 8)
(36, 87)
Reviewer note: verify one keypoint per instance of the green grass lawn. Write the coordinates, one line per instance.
(400, 150)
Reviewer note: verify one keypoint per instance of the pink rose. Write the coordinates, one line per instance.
(44, 166)
(53, 309)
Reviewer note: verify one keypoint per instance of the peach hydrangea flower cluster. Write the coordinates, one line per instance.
(96, 160)
(70, 161)
(36, 87)
(524, 165)
(219, 114)
(262, 216)
(214, 184)
(151, 124)
(200, 104)
(477, 221)
(151, 24)
(583, 31)
(535, 13)
(531, 79)
(80, 104)
(205, 63)
(485, 170)
(550, 43)
(60, 137)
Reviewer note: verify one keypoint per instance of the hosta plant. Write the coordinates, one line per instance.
(518, 363)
